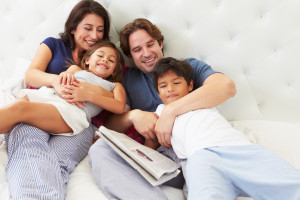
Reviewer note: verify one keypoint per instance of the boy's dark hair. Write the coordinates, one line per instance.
(180, 67)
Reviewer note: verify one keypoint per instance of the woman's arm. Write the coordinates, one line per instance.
(35, 74)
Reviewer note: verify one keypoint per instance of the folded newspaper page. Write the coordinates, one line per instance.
(152, 165)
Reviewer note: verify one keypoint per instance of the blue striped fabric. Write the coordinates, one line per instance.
(39, 163)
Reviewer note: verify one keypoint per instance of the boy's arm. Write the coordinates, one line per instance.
(216, 89)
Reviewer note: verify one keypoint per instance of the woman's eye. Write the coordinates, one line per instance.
(101, 30)
(88, 29)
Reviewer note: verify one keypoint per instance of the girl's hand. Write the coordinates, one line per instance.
(75, 94)
(67, 78)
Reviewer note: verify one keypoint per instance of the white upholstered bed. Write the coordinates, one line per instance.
(254, 42)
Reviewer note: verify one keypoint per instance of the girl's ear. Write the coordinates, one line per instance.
(191, 86)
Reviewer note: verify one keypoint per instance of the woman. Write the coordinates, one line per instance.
(40, 163)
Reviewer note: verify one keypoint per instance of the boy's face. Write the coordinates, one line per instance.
(145, 50)
(172, 87)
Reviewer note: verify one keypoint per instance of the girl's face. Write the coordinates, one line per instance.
(103, 62)
(88, 31)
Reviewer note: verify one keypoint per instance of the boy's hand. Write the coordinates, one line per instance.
(164, 127)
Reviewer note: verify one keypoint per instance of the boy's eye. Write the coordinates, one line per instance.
(178, 82)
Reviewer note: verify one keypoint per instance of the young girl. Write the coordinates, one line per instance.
(48, 111)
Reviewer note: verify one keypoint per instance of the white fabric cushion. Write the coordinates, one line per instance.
(280, 137)
(83, 186)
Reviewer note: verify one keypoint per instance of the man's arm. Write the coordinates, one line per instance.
(216, 89)
(144, 122)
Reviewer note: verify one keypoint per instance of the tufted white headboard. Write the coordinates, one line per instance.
(254, 42)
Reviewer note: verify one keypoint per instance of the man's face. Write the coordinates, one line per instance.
(145, 50)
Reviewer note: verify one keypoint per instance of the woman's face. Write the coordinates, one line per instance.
(88, 31)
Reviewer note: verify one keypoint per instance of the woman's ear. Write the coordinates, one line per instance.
(191, 86)
(87, 61)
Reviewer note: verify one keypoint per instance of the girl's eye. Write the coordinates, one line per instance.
(162, 86)
(100, 56)
(112, 61)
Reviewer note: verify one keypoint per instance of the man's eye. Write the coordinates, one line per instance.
(136, 50)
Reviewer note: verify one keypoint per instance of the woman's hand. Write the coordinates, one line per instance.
(67, 78)
(76, 94)
(59, 88)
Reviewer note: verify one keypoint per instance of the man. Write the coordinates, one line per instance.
(142, 42)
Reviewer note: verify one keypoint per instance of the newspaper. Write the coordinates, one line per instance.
(152, 165)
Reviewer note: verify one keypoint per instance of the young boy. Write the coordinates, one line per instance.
(221, 162)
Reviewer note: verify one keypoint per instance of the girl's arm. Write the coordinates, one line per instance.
(115, 103)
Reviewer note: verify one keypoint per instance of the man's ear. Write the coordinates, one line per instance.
(191, 85)
(161, 45)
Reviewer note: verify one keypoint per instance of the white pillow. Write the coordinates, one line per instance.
(280, 137)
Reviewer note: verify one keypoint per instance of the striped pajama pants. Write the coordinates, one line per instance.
(39, 163)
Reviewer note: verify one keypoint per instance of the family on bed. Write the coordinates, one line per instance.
(170, 102)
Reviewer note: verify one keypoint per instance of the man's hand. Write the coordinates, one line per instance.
(144, 122)
(164, 127)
